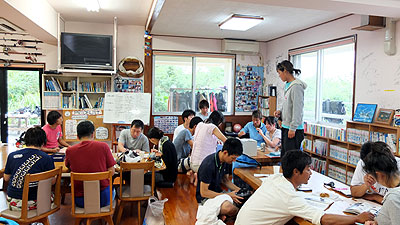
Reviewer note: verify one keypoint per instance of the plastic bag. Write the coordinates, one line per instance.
(154, 212)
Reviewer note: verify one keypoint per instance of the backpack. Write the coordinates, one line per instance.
(243, 161)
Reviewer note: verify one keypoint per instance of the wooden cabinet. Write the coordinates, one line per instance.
(74, 91)
(267, 105)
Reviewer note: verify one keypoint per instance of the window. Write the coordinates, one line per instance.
(180, 81)
(328, 70)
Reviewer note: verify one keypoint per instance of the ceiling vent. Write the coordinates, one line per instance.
(8, 27)
(371, 23)
(240, 47)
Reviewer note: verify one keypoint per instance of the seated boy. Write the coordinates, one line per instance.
(214, 172)
(184, 144)
(203, 106)
(187, 115)
(133, 139)
(276, 201)
(28, 160)
(251, 128)
(54, 133)
(90, 156)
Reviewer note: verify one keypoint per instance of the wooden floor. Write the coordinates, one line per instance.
(181, 207)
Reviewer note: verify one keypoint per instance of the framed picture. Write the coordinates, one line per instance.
(364, 112)
(384, 116)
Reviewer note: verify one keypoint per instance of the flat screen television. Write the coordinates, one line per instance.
(86, 51)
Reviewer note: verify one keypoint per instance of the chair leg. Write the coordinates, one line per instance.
(77, 221)
(138, 206)
(89, 221)
(45, 221)
(120, 210)
(109, 220)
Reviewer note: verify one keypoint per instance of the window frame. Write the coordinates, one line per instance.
(193, 55)
(318, 47)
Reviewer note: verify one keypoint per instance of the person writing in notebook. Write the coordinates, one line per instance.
(276, 200)
(133, 138)
(54, 133)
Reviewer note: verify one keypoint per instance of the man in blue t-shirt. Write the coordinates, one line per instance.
(214, 171)
(251, 128)
(28, 160)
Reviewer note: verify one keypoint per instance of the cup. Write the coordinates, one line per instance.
(141, 154)
(276, 169)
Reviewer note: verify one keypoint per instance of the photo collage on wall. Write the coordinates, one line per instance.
(248, 86)
(127, 84)
(166, 123)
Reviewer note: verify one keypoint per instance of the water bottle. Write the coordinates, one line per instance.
(262, 145)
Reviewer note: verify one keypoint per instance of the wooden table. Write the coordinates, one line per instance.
(265, 160)
(315, 182)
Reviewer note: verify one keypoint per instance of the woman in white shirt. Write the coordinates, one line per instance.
(382, 165)
(273, 137)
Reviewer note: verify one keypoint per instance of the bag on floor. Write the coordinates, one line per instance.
(154, 212)
(243, 161)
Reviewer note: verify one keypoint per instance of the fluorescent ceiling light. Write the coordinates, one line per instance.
(240, 22)
(92, 5)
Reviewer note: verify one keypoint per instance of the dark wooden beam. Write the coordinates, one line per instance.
(153, 14)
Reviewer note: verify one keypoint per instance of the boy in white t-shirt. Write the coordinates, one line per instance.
(363, 184)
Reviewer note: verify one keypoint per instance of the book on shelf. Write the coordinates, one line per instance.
(320, 147)
(389, 139)
(337, 173)
(325, 131)
(338, 152)
(51, 100)
(318, 165)
(104, 86)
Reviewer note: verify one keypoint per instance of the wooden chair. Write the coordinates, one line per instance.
(44, 205)
(136, 190)
(91, 192)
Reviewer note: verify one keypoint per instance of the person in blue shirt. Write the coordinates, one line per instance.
(29, 160)
(251, 128)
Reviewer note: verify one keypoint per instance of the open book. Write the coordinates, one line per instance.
(360, 207)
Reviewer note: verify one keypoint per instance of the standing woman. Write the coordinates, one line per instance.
(292, 109)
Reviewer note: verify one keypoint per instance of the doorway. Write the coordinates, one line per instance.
(20, 101)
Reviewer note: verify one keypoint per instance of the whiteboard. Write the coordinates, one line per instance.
(122, 107)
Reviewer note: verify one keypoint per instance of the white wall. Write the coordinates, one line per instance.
(376, 72)
(204, 45)
(39, 12)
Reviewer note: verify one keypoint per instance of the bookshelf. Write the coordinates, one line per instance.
(267, 105)
(74, 91)
(339, 156)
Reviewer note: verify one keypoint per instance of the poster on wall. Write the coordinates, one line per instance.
(248, 86)
(128, 84)
(166, 123)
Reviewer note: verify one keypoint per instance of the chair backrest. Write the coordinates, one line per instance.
(44, 180)
(137, 171)
(91, 190)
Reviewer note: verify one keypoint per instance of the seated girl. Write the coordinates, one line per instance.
(28, 160)
(273, 137)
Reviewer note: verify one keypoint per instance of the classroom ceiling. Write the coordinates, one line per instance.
(200, 18)
(129, 12)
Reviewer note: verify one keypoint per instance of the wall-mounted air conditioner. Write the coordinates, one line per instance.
(240, 47)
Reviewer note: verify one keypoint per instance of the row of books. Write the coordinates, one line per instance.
(389, 139)
(349, 177)
(318, 165)
(69, 102)
(307, 144)
(337, 173)
(325, 131)
(104, 86)
(84, 102)
(354, 157)
(54, 84)
(357, 136)
(338, 152)
(320, 147)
